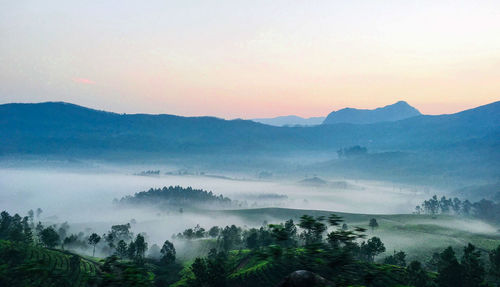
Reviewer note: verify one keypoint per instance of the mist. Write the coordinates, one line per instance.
(84, 198)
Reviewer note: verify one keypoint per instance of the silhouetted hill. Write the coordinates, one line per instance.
(395, 112)
(291, 121)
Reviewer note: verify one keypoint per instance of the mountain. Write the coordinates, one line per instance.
(455, 145)
(56, 127)
(290, 121)
(395, 112)
(61, 127)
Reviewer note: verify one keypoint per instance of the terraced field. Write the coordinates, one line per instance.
(75, 267)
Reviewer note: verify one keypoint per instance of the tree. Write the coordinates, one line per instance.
(199, 269)
(264, 236)
(140, 247)
(445, 205)
(372, 248)
(230, 237)
(188, 234)
(131, 250)
(199, 232)
(168, 252)
(279, 233)
(209, 272)
(124, 274)
(49, 237)
(28, 233)
(70, 240)
(214, 231)
(450, 271)
(342, 238)
(432, 263)
(117, 233)
(93, 240)
(15, 230)
(252, 238)
(457, 205)
(417, 276)
(495, 263)
(398, 258)
(466, 207)
(313, 229)
(431, 206)
(216, 267)
(373, 224)
(472, 266)
(39, 228)
(121, 249)
(334, 220)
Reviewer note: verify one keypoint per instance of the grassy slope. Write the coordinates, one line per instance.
(417, 235)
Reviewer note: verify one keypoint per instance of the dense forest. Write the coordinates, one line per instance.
(177, 196)
(316, 251)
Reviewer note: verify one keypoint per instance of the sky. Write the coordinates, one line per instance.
(247, 59)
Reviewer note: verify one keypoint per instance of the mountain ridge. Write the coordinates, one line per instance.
(394, 112)
(59, 127)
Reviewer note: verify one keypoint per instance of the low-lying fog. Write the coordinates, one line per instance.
(86, 198)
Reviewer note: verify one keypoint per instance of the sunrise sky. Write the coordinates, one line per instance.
(250, 59)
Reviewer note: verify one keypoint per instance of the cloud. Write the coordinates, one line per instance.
(83, 81)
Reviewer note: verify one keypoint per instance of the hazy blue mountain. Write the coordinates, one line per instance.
(445, 148)
(61, 128)
(395, 112)
(291, 121)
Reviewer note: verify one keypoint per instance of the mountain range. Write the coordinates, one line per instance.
(433, 144)
(57, 127)
(395, 112)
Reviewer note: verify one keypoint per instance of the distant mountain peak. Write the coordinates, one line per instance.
(290, 120)
(395, 112)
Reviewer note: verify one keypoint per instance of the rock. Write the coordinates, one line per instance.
(304, 278)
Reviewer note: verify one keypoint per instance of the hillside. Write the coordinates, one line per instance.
(38, 266)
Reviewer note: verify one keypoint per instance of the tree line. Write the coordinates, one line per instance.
(118, 241)
(484, 209)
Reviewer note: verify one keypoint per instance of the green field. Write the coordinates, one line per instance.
(418, 235)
